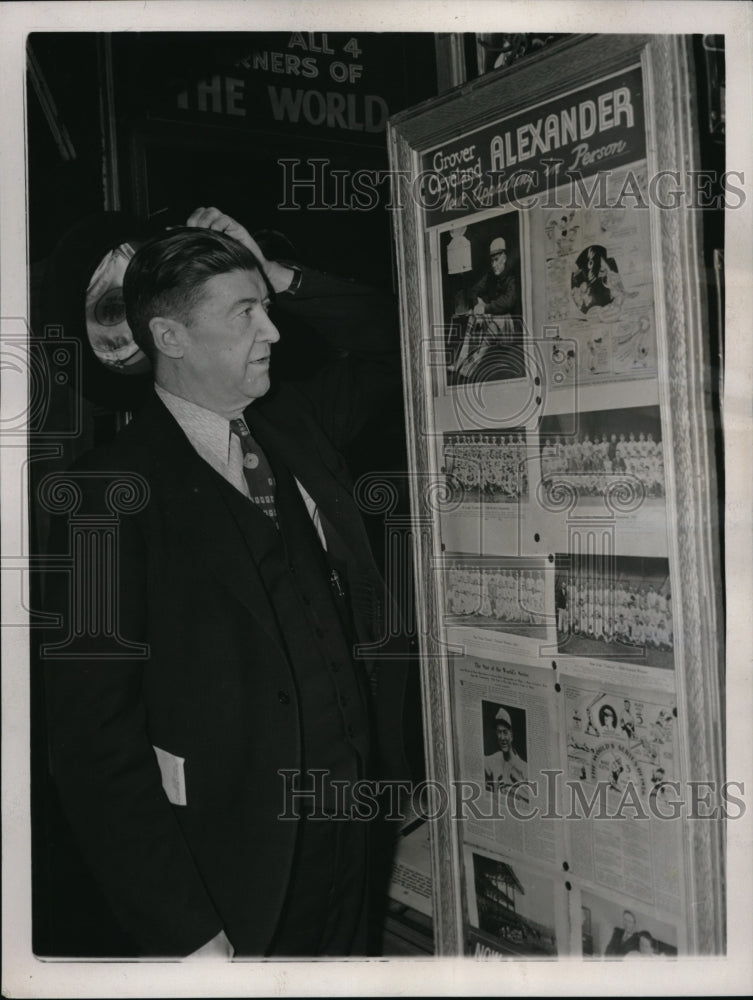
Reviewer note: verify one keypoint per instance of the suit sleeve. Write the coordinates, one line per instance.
(360, 325)
(612, 947)
(103, 762)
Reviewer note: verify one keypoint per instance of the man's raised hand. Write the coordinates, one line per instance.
(213, 218)
(279, 275)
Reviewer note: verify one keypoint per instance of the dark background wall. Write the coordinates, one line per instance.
(155, 125)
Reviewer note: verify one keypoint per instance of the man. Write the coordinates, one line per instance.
(627, 722)
(496, 293)
(243, 581)
(622, 630)
(503, 767)
(621, 454)
(560, 605)
(623, 939)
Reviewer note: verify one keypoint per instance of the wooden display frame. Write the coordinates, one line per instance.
(683, 384)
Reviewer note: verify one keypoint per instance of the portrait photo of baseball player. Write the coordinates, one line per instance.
(505, 756)
(483, 304)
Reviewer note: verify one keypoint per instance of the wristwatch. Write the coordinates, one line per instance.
(295, 282)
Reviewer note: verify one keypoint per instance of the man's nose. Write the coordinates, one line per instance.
(270, 333)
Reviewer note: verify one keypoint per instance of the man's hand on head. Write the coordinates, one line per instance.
(213, 218)
(278, 274)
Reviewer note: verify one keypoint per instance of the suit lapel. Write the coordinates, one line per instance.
(200, 506)
(282, 430)
(308, 464)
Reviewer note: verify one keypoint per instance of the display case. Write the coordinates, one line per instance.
(558, 352)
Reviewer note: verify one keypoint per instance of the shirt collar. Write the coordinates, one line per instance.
(205, 428)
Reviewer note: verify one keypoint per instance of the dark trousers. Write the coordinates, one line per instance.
(326, 909)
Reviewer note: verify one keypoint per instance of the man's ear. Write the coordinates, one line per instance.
(168, 336)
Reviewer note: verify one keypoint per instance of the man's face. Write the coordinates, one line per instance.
(228, 339)
(498, 260)
(504, 737)
(628, 922)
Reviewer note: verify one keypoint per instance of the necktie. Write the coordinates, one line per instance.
(257, 470)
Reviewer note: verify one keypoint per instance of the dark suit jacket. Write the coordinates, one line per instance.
(499, 292)
(214, 686)
(619, 945)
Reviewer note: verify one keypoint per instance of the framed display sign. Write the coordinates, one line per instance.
(561, 437)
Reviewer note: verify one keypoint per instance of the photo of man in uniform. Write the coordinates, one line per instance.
(497, 292)
(483, 307)
(504, 767)
(623, 939)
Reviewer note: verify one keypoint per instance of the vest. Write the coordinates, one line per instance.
(308, 590)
